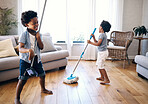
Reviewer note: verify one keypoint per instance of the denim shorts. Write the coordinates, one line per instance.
(24, 65)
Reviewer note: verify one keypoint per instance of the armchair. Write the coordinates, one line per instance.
(121, 41)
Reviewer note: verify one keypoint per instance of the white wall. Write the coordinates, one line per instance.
(145, 13)
(132, 14)
(132, 17)
(11, 4)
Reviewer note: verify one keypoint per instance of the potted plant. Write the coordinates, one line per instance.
(140, 31)
(78, 39)
(7, 20)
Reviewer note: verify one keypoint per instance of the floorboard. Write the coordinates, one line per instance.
(126, 86)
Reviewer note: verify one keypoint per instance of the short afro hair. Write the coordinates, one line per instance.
(27, 16)
(105, 25)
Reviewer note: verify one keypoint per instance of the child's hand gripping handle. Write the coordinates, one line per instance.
(93, 33)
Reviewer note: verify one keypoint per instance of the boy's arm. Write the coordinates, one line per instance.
(94, 38)
(25, 50)
(40, 43)
(97, 43)
(22, 49)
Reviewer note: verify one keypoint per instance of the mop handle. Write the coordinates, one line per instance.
(39, 30)
(82, 53)
(87, 43)
(42, 14)
(93, 33)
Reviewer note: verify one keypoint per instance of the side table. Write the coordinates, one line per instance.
(139, 46)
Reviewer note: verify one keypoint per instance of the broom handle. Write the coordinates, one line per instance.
(82, 53)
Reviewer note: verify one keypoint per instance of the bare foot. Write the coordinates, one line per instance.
(47, 91)
(100, 78)
(105, 82)
(17, 101)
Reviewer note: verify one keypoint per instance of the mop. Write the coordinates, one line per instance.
(74, 79)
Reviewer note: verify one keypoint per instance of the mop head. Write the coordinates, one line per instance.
(71, 79)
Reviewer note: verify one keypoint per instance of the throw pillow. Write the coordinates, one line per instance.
(17, 49)
(6, 48)
(48, 45)
(9, 37)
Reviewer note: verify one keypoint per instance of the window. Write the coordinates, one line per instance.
(54, 20)
(78, 19)
(69, 20)
(62, 18)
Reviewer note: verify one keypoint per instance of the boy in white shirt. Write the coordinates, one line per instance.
(27, 51)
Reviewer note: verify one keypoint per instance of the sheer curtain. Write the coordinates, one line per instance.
(110, 10)
(78, 21)
(67, 20)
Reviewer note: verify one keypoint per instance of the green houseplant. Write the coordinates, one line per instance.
(7, 20)
(140, 30)
(78, 39)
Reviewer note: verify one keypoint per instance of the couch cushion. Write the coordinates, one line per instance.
(142, 60)
(115, 47)
(6, 48)
(47, 34)
(48, 45)
(16, 37)
(9, 63)
(8, 37)
(147, 54)
(58, 47)
(55, 55)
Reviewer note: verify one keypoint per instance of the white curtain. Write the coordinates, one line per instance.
(110, 10)
(67, 19)
(25, 5)
(78, 20)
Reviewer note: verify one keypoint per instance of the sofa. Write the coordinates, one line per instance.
(142, 65)
(52, 56)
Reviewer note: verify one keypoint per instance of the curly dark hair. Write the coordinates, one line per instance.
(105, 25)
(27, 16)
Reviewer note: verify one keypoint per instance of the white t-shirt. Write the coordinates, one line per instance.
(32, 40)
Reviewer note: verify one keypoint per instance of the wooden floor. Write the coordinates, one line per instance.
(125, 87)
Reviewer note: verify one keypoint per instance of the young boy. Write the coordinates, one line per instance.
(26, 51)
(102, 50)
